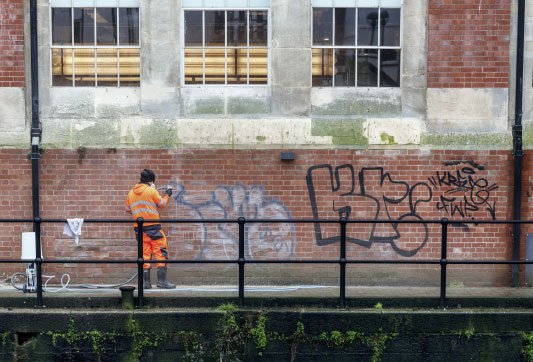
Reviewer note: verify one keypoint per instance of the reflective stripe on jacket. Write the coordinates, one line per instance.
(144, 201)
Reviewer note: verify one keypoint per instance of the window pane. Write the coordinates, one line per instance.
(322, 26)
(345, 26)
(106, 26)
(367, 30)
(193, 28)
(214, 28)
(62, 67)
(367, 68)
(237, 66)
(215, 66)
(258, 66)
(107, 67)
(389, 70)
(129, 26)
(193, 66)
(322, 67)
(237, 28)
(390, 27)
(344, 67)
(83, 26)
(130, 67)
(258, 28)
(84, 67)
(61, 26)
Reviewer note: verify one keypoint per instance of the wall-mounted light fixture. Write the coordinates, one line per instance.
(287, 156)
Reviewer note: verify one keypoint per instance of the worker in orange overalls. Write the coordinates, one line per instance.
(144, 201)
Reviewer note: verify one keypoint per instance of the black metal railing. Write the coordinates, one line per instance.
(342, 261)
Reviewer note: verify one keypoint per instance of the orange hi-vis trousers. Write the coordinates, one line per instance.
(156, 247)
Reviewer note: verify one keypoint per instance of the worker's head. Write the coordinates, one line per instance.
(147, 176)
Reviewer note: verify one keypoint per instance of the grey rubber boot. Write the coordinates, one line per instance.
(162, 281)
(146, 278)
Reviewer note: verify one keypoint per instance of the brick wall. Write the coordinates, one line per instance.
(468, 43)
(11, 43)
(211, 184)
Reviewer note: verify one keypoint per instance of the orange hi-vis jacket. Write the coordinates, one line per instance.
(143, 201)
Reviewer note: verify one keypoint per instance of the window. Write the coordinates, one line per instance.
(357, 45)
(223, 46)
(95, 43)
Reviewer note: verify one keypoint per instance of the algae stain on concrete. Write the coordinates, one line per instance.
(102, 133)
(348, 106)
(208, 106)
(343, 132)
(471, 140)
(237, 105)
(159, 134)
(527, 135)
(128, 139)
(387, 139)
(260, 138)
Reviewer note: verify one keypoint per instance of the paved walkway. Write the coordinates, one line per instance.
(302, 291)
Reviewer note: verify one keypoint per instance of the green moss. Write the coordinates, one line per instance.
(343, 132)
(246, 106)
(159, 134)
(56, 133)
(260, 138)
(387, 139)
(128, 139)
(349, 106)
(104, 132)
(467, 140)
(208, 106)
(527, 135)
(527, 346)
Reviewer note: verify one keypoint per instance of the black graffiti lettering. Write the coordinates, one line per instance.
(380, 197)
(475, 191)
(461, 194)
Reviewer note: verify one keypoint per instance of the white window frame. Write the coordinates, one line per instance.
(381, 4)
(203, 47)
(72, 4)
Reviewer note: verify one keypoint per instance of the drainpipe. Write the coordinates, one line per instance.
(517, 139)
(35, 139)
(35, 127)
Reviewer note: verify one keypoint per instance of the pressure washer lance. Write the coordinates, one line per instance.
(164, 188)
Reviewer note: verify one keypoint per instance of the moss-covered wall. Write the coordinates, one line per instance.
(229, 334)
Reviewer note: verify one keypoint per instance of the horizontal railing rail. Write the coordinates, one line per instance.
(241, 261)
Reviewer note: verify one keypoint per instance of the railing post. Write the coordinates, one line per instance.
(443, 260)
(140, 262)
(38, 261)
(241, 222)
(342, 263)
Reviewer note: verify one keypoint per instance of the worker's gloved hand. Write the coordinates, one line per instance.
(168, 192)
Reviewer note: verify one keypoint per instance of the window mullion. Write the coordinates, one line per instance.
(333, 50)
(203, 47)
(118, 68)
(378, 45)
(247, 47)
(226, 47)
(356, 44)
(72, 44)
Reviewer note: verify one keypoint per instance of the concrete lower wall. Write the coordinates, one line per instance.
(208, 335)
